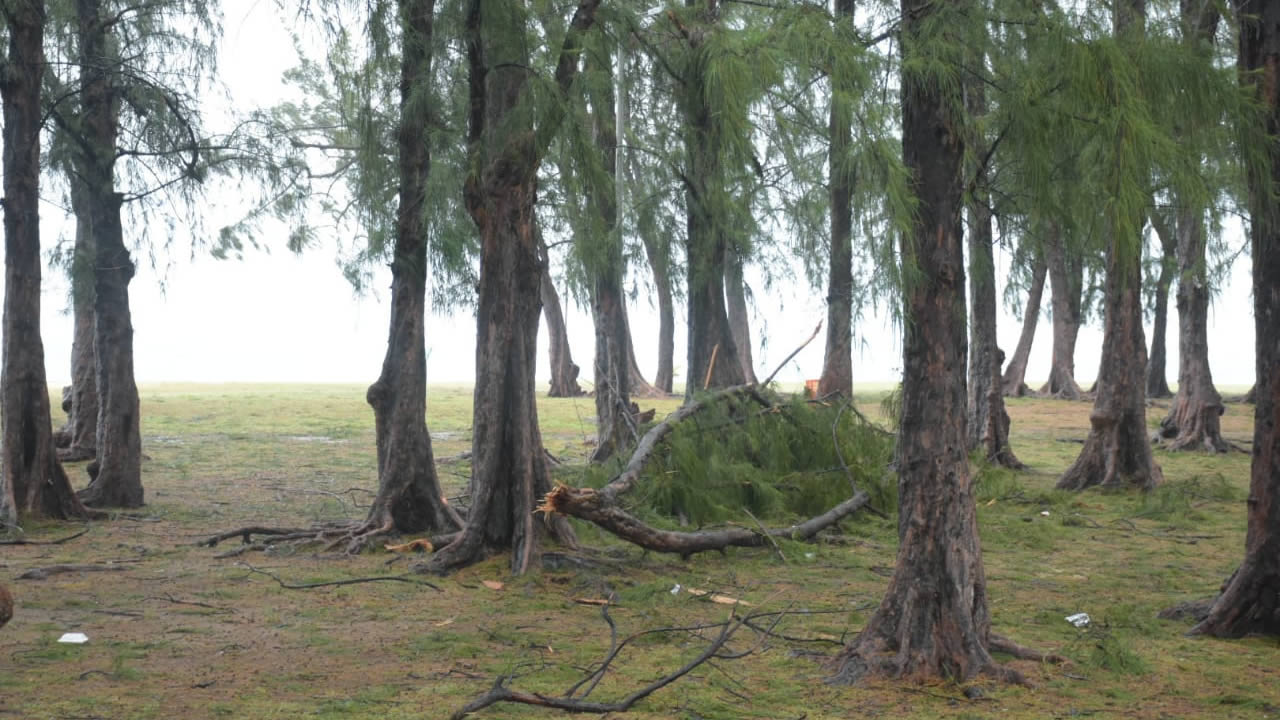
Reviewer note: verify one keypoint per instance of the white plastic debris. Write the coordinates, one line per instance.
(74, 638)
(810, 556)
(1079, 619)
(676, 590)
(1044, 513)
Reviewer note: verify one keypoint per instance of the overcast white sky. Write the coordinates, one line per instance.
(281, 318)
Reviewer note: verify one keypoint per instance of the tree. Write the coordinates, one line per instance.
(1066, 279)
(837, 362)
(78, 440)
(1157, 383)
(564, 372)
(509, 468)
(1014, 380)
(657, 252)
(32, 481)
(1250, 599)
(735, 295)
(933, 619)
(1117, 451)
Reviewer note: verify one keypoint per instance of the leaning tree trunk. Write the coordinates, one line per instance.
(735, 292)
(1250, 600)
(656, 252)
(640, 386)
(933, 620)
(117, 471)
(988, 421)
(1013, 382)
(564, 373)
(509, 473)
(1157, 382)
(1066, 278)
(32, 481)
(1117, 452)
(837, 362)
(409, 498)
(1193, 419)
(82, 417)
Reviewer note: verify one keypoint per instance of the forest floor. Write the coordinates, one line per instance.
(176, 632)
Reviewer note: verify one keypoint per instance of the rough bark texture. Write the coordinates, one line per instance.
(1014, 382)
(564, 372)
(713, 354)
(82, 417)
(837, 362)
(409, 498)
(1250, 601)
(32, 482)
(640, 386)
(1251, 396)
(117, 471)
(1066, 278)
(6, 606)
(933, 620)
(658, 255)
(1157, 382)
(735, 293)
(509, 466)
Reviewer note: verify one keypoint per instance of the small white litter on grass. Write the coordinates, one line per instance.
(74, 638)
(1079, 619)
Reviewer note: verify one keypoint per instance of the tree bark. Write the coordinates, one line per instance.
(837, 362)
(82, 417)
(933, 620)
(658, 252)
(1014, 380)
(735, 291)
(714, 361)
(1250, 599)
(640, 386)
(1157, 382)
(409, 498)
(116, 473)
(1066, 277)
(564, 372)
(32, 481)
(509, 467)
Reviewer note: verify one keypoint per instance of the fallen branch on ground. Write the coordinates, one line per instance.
(42, 573)
(598, 507)
(356, 536)
(412, 580)
(59, 541)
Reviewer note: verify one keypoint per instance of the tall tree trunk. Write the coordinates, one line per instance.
(82, 417)
(1157, 382)
(988, 421)
(837, 362)
(933, 620)
(640, 386)
(116, 473)
(1014, 381)
(1250, 599)
(509, 474)
(1192, 422)
(713, 355)
(735, 292)
(32, 481)
(1066, 276)
(657, 252)
(409, 498)
(564, 372)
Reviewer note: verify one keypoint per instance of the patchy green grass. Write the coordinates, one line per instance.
(181, 633)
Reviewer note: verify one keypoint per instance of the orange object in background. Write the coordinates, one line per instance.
(811, 388)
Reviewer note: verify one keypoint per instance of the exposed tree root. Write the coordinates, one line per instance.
(353, 538)
(43, 573)
(597, 507)
(1196, 610)
(337, 583)
(1000, 643)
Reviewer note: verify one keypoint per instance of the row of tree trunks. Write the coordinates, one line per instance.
(116, 473)
(933, 620)
(1157, 382)
(1250, 600)
(1066, 278)
(1014, 381)
(32, 481)
(837, 362)
(409, 498)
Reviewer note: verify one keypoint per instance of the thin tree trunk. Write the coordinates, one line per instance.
(82, 417)
(1014, 380)
(409, 498)
(509, 468)
(933, 620)
(32, 481)
(837, 362)
(1157, 382)
(1250, 599)
(1066, 278)
(564, 372)
(116, 473)
(658, 255)
(640, 386)
(735, 292)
